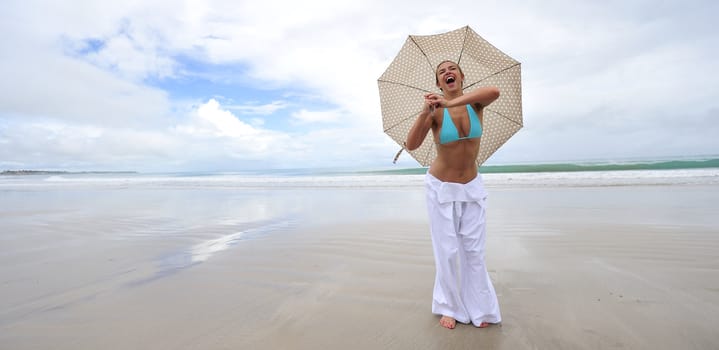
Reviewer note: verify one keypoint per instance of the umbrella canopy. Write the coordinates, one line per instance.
(412, 74)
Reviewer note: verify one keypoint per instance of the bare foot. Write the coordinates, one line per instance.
(483, 325)
(448, 322)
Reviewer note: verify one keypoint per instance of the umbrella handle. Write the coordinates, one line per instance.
(398, 153)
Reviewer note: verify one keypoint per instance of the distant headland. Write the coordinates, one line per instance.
(57, 172)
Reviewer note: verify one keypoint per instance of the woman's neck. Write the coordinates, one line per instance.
(453, 94)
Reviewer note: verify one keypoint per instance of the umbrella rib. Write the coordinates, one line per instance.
(401, 121)
(423, 53)
(402, 84)
(464, 43)
(495, 74)
(504, 116)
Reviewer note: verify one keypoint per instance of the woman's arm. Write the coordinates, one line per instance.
(421, 126)
(481, 97)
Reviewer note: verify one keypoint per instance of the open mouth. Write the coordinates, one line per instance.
(449, 80)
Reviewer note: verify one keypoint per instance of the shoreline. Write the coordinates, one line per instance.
(623, 178)
(62, 172)
(664, 163)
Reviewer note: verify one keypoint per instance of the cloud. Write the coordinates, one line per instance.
(264, 109)
(213, 130)
(217, 122)
(41, 81)
(124, 55)
(304, 76)
(305, 116)
(56, 145)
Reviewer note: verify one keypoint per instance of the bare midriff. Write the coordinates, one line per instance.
(456, 161)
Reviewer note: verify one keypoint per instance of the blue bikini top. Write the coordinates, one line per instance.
(449, 132)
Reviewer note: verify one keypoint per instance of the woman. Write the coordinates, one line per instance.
(456, 199)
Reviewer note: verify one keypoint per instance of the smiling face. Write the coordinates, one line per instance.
(449, 76)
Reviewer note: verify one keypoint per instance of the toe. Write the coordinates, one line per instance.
(447, 322)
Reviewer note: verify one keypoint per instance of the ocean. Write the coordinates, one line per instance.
(619, 173)
(590, 166)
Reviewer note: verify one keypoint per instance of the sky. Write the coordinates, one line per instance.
(160, 86)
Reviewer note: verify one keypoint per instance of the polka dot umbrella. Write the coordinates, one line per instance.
(412, 74)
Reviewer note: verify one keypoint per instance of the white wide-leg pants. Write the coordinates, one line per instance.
(462, 287)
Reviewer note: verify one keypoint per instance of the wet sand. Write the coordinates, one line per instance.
(621, 267)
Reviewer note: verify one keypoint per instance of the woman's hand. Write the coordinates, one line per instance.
(435, 100)
(428, 106)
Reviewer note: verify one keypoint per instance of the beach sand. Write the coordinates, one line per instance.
(619, 267)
